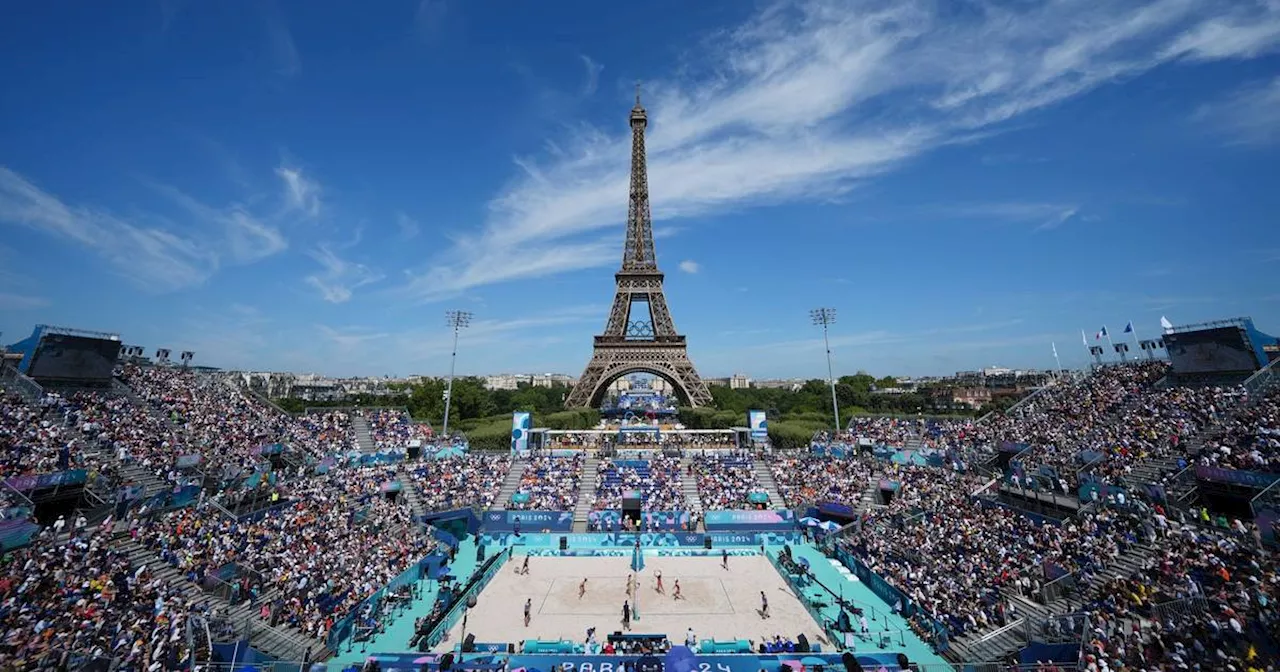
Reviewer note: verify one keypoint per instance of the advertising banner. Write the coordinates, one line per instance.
(565, 662)
(41, 481)
(611, 520)
(781, 519)
(1252, 479)
(16, 533)
(527, 521)
(521, 423)
(759, 425)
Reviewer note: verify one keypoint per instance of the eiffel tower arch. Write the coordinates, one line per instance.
(640, 336)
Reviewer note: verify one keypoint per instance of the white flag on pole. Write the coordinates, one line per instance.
(1165, 323)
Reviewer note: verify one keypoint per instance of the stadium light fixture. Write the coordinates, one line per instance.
(458, 320)
(826, 317)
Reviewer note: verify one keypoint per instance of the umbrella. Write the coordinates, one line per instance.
(829, 526)
(809, 520)
(813, 660)
(803, 562)
(794, 664)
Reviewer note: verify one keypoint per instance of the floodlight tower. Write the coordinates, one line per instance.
(825, 317)
(458, 320)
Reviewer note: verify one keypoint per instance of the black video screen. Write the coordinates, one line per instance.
(61, 357)
(1219, 350)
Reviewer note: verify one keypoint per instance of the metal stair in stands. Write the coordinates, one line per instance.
(689, 484)
(990, 644)
(364, 433)
(511, 483)
(409, 490)
(281, 641)
(586, 492)
(765, 478)
(1125, 565)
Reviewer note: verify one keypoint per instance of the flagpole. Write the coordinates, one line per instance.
(1056, 359)
(1133, 329)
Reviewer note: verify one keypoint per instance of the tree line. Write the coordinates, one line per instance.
(794, 414)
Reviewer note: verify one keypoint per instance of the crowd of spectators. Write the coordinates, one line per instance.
(1054, 422)
(461, 481)
(215, 418)
(950, 553)
(334, 540)
(69, 599)
(658, 479)
(725, 481)
(330, 428)
(805, 479)
(1154, 425)
(34, 439)
(393, 428)
(549, 484)
(1250, 439)
(1223, 588)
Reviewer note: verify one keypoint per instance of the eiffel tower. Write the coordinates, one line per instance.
(640, 336)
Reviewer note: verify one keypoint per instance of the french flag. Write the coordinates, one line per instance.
(1101, 334)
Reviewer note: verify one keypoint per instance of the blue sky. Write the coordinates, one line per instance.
(310, 185)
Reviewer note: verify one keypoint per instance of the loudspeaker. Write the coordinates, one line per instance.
(564, 543)
(706, 542)
(446, 662)
(414, 452)
(469, 644)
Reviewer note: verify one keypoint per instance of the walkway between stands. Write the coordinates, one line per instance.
(880, 616)
(396, 635)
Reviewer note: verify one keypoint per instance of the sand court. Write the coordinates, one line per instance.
(719, 603)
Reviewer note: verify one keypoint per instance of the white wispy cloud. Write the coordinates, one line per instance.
(689, 266)
(497, 336)
(408, 226)
(349, 337)
(283, 51)
(1058, 220)
(593, 76)
(10, 301)
(338, 277)
(155, 251)
(241, 236)
(300, 192)
(153, 257)
(1249, 116)
(429, 18)
(1044, 215)
(807, 98)
(884, 337)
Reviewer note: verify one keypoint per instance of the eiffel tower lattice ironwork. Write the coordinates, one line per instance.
(640, 336)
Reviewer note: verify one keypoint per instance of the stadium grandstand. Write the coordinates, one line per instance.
(167, 518)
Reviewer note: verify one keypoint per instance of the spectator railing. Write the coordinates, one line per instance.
(21, 384)
(344, 628)
(1269, 498)
(76, 661)
(1071, 629)
(460, 603)
(1059, 587)
(827, 624)
(1261, 380)
(1191, 606)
